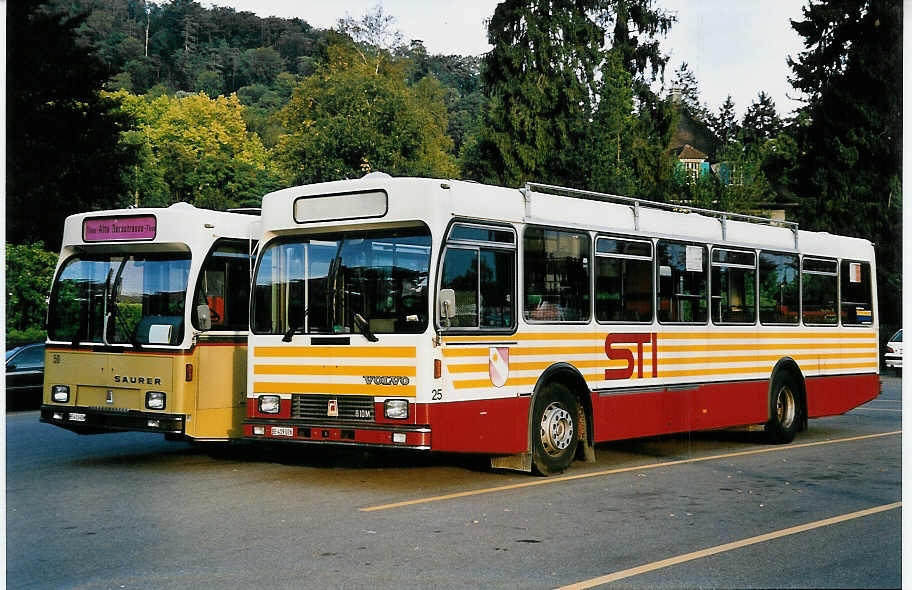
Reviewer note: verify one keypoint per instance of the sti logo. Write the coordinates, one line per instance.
(619, 354)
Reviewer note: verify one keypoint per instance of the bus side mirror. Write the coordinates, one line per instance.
(447, 304)
(203, 317)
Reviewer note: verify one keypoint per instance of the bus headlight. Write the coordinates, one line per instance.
(269, 404)
(155, 400)
(60, 393)
(396, 409)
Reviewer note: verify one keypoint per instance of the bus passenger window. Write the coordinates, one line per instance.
(556, 275)
(818, 292)
(681, 294)
(778, 288)
(623, 280)
(734, 298)
(857, 303)
(480, 266)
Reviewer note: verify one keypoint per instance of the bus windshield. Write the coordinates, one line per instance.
(120, 299)
(375, 282)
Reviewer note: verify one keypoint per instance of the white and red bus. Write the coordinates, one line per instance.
(147, 323)
(530, 324)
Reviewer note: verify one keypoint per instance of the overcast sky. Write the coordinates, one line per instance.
(733, 47)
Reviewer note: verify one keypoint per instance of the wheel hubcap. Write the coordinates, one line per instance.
(556, 429)
(785, 407)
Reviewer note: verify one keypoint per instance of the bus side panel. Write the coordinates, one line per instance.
(497, 426)
(222, 370)
(837, 394)
(701, 407)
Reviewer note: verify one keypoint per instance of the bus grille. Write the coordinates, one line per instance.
(352, 408)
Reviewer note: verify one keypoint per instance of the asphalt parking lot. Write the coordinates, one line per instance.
(716, 509)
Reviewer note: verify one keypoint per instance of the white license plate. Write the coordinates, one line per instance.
(77, 417)
(282, 431)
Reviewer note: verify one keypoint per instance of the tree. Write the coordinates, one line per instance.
(614, 130)
(761, 121)
(849, 173)
(29, 272)
(540, 78)
(348, 119)
(62, 155)
(196, 149)
(688, 89)
(542, 84)
(724, 125)
(374, 35)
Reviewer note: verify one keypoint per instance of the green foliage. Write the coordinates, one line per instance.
(349, 119)
(196, 149)
(29, 273)
(849, 134)
(550, 76)
(63, 155)
(540, 78)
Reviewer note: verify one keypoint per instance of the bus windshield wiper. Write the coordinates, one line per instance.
(364, 328)
(295, 328)
(131, 334)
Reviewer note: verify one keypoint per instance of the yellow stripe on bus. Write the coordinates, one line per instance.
(334, 388)
(748, 346)
(703, 372)
(408, 371)
(663, 361)
(334, 351)
(671, 335)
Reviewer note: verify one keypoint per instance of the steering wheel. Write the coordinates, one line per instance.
(214, 316)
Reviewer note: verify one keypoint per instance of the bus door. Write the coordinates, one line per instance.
(220, 312)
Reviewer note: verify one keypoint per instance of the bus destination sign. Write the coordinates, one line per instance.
(110, 229)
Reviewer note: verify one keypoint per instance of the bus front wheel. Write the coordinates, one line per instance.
(785, 410)
(555, 432)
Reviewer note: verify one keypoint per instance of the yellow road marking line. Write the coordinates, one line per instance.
(649, 567)
(550, 480)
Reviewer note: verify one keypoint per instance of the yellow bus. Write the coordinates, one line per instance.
(147, 323)
(530, 324)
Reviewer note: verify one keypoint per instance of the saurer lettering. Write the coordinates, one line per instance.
(137, 380)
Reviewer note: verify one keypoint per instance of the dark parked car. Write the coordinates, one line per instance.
(24, 376)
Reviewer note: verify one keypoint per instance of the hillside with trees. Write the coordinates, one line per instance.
(113, 103)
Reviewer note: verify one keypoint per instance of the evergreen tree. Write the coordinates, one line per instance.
(724, 125)
(63, 153)
(540, 79)
(541, 82)
(761, 121)
(849, 175)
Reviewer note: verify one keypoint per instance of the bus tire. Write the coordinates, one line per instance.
(784, 411)
(555, 431)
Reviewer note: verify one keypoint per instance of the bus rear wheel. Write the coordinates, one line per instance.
(555, 432)
(785, 410)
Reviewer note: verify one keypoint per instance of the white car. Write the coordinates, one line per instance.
(893, 354)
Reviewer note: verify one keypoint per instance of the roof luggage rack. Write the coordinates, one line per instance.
(635, 205)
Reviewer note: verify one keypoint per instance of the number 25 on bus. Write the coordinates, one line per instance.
(529, 324)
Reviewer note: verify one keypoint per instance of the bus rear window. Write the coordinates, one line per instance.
(855, 287)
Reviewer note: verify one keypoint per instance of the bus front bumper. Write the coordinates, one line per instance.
(84, 420)
(372, 435)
